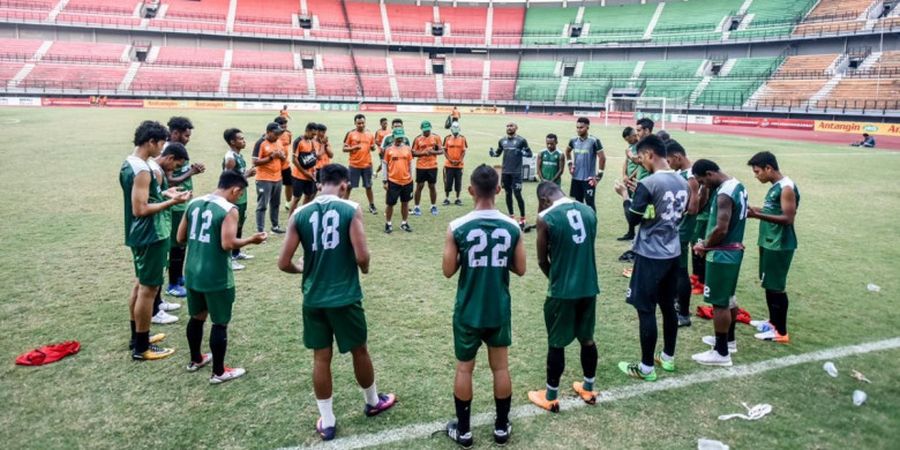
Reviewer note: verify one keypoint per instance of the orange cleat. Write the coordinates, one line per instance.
(589, 397)
(539, 398)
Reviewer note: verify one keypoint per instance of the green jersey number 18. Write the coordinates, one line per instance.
(331, 236)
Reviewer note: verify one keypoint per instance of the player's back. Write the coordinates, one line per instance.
(736, 191)
(207, 265)
(486, 241)
(658, 235)
(572, 228)
(330, 273)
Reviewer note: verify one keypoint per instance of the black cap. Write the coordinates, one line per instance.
(274, 127)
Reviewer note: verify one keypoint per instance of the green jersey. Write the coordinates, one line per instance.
(186, 185)
(146, 230)
(330, 273)
(160, 176)
(633, 168)
(733, 189)
(688, 221)
(207, 267)
(550, 164)
(241, 166)
(486, 241)
(772, 235)
(573, 270)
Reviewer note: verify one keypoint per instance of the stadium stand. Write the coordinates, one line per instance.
(409, 23)
(622, 23)
(75, 76)
(696, 20)
(266, 12)
(176, 79)
(270, 83)
(830, 16)
(863, 94)
(19, 48)
(185, 56)
(463, 25)
(264, 60)
(329, 19)
(548, 25)
(86, 52)
(30, 10)
(538, 81)
(772, 18)
(364, 21)
(507, 25)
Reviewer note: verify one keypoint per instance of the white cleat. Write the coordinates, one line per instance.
(243, 255)
(237, 266)
(711, 341)
(228, 375)
(163, 318)
(168, 306)
(712, 358)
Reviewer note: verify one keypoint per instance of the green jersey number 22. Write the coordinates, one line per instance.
(499, 234)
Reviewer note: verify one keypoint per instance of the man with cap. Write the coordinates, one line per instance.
(399, 180)
(425, 148)
(268, 156)
(455, 146)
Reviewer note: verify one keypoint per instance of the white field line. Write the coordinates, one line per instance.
(424, 430)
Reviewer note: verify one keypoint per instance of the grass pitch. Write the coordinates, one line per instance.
(65, 274)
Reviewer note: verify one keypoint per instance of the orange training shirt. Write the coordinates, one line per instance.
(422, 144)
(303, 146)
(398, 161)
(270, 171)
(361, 158)
(454, 148)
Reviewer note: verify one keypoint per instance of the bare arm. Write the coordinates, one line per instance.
(543, 246)
(175, 181)
(140, 193)
(229, 163)
(230, 241)
(788, 207)
(601, 161)
(540, 161)
(694, 200)
(450, 262)
(723, 218)
(358, 240)
(289, 248)
(561, 167)
(518, 266)
(181, 235)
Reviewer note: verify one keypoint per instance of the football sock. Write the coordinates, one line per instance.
(218, 343)
(326, 412)
(389, 224)
(556, 363)
(552, 392)
(647, 327)
(133, 331)
(670, 326)
(778, 306)
(371, 395)
(463, 414)
(684, 292)
(733, 323)
(589, 362)
(194, 334)
(157, 301)
(503, 405)
(176, 264)
(722, 343)
(645, 369)
(141, 341)
(699, 264)
(588, 384)
(665, 356)
(509, 201)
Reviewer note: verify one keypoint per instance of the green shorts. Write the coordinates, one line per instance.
(242, 215)
(218, 303)
(568, 319)
(721, 283)
(467, 340)
(150, 261)
(773, 268)
(176, 220)
(345, 324)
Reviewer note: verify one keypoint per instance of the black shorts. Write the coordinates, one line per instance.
(654, 281)
(453, 179)
(364, 174)
(286, 178)
(396, 191)
(426, 175)
(582, 192)
(303, 187)
(511, 181)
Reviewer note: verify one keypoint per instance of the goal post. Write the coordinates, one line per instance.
(656, 108)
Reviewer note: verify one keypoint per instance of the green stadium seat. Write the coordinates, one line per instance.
(694, 20)
(546, 25)
(773, 18)
(621, 23)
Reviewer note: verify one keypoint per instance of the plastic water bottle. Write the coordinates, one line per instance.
(859, 397)
(830, 369)
(872, 287)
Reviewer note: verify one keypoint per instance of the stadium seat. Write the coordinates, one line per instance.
(408, 22)
(266, 11)
(271, 83)
(695, 20)
(266, 60)
(507, 25)
(365, 21)
(863, 94)
(464, 25)
(328, 19)
(176, 79)
(186, 56)
(87, 52)
(772, 18)
(30, 10)
(9, 69)
(462, 88)
(75, 76)
(546, 24)
(19, 48)
(621, 23)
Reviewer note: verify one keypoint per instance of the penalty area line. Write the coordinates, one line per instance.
(424, 430)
